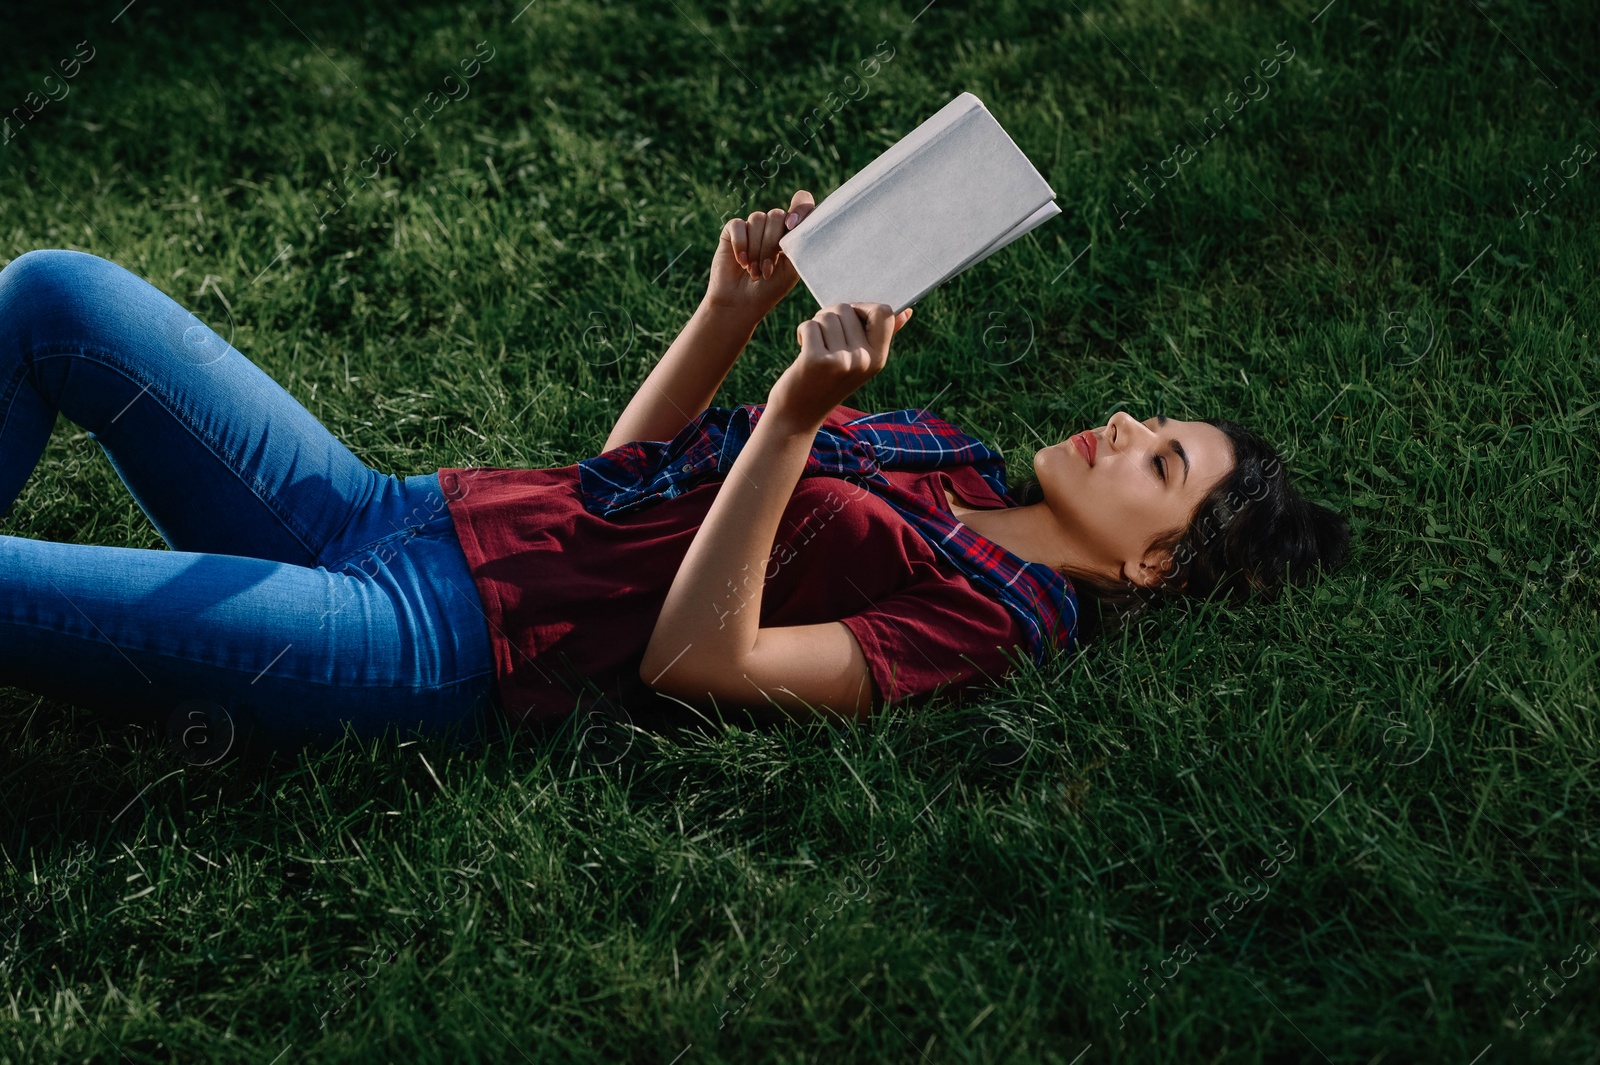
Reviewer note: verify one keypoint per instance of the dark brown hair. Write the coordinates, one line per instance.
(1251, 535)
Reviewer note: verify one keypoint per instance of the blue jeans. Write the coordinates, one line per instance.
(302, 592)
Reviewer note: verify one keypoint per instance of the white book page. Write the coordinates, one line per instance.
(1048, 211)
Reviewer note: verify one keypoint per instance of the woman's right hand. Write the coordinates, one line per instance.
(750, 274)
(842, 347)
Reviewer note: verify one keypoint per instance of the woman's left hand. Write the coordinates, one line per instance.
(841, 348)
(749, 273)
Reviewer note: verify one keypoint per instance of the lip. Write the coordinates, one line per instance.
(1086, 445)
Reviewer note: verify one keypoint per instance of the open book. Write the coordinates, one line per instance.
(946, 196)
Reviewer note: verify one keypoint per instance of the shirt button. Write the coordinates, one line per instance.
(687, 467)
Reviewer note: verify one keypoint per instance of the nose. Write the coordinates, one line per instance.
(1123, 428)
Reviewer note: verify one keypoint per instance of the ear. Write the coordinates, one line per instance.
(1154, 569)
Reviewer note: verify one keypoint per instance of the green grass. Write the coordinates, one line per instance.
(1341, 268)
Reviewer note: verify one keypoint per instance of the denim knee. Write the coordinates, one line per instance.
(40, 275)
(47, 283)
(53, 295)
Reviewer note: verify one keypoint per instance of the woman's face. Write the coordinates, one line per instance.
(1113, 490)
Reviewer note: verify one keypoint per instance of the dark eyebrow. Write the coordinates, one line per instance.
(1177, 449)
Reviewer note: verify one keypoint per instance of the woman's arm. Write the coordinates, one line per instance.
(750, 275)
(701, 645)
(682, 384)
(708, 641)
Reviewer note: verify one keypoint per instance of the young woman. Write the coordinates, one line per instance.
(791, 558)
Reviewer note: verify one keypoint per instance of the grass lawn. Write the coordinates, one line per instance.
(1361, 825)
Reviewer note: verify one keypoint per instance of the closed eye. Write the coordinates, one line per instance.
(1177, 449)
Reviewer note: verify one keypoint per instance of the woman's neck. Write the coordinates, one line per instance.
(1031, 533)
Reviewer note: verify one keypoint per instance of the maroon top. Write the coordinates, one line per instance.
(572, 598)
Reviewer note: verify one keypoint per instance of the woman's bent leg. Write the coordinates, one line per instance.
(290, 653)
(219, 456)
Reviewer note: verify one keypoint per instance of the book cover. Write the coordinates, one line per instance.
(946, 196)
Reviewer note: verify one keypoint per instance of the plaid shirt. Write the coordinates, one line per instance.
(644, 471)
